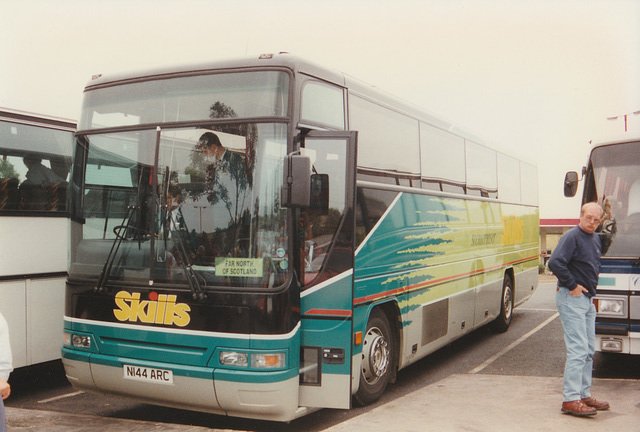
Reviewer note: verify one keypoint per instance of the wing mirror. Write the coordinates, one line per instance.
(570, 184)
(296, 187)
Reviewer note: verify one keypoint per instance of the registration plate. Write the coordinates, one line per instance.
(146, 374)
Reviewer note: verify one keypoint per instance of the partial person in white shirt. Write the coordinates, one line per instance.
(5, 369)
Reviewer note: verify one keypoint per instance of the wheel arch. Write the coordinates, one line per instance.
(391, 309)
(512, 274)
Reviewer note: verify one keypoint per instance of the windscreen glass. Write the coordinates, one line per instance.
(615, 171)
(192, 206)
(192, 98)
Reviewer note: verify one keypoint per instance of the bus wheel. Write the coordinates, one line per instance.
(377, 359)
(501, 324)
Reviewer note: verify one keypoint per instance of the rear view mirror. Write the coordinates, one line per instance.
(570, 184)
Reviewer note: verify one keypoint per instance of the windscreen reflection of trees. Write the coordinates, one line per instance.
(243, 227)
(222, 178)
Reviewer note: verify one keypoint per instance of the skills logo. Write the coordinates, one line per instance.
(159, 309)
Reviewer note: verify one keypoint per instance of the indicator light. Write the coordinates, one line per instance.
(268, 360)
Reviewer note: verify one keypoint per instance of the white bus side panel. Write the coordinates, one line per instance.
(33, 260)
(34, 310)
(13, 306)
(45, 318)
(33, 245)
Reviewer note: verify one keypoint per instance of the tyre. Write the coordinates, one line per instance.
(378, 358)
(501, 324)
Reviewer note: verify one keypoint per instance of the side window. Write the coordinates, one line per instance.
(529, 183)
(442, 160)
(388, 142)
(323, 104)
(34, 168)
(481, 170)
(370, 206)
(508, 178)
(324, 249)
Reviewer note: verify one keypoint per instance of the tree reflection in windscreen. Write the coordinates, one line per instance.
(220, 204)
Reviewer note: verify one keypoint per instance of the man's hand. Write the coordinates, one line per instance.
(5, 389)
(578, 290)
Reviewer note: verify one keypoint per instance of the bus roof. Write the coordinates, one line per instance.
(618, 140)
(29, 117)
(296, 65)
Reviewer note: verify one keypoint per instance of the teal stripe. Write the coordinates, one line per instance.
(607, 281)
(76, 355)
(183, 370)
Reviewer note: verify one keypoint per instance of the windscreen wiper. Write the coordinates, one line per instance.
(115, 246)
(118, 231)
(160, 195)
(168, 222)
(197, 292)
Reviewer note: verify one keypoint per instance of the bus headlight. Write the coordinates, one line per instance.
(611, 345)
(268, 360)
(77, 341)
(234, 358)
(611, 307)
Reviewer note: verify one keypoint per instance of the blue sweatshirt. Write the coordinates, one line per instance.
(576, 260)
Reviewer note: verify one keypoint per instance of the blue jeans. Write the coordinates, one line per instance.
(578, 316)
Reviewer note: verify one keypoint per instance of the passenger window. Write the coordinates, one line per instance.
(442, 159)
(323, 104)
(34, 168)
(383, 131)
(481, 170)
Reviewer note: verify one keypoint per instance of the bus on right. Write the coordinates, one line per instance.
(612, 179)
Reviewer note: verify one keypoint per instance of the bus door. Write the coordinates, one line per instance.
(328, 227)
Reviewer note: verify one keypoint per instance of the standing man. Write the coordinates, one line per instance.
(576, 264)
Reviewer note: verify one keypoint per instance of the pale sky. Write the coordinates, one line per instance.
(537, 79)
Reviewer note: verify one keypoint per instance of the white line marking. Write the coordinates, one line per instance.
(513, 345)
(64, 396)
(537, 309)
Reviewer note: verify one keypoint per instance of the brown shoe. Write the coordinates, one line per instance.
(593, 403)
(578, 408)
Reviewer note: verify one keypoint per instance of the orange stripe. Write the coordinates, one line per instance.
(426, 284)
(331, 312)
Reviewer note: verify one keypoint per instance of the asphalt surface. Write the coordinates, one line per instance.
(481, 400)
(463, 402)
